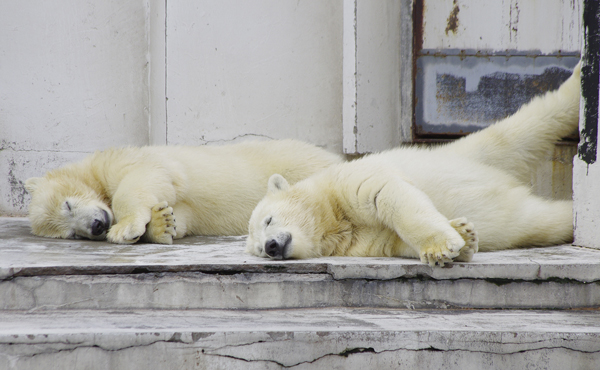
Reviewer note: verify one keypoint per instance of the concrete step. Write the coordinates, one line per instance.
(205, 304)
(327, 338)
(214, 272)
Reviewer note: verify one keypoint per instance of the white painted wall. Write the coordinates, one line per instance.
(79, 76)
(374, 66)
(586, 198)
(265, 68)
(73, 79)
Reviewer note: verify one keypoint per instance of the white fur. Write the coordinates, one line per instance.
(161, 193)
(439, 204)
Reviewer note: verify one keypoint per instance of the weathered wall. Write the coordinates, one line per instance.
(72, 80)
(76, 77)
(586, 172)
(264, 68)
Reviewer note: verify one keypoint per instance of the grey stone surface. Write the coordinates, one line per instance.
(205, 304)
(22, 254)
(190, 290)
(300, 339)
(211, 272)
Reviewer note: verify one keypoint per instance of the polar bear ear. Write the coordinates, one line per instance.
(32, 183)
(277, 183)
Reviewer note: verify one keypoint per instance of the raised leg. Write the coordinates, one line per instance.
(519, 143)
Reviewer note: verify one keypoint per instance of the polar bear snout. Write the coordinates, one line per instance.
(100, 226)
(278, 247)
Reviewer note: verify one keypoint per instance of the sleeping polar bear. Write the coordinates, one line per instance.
(439, 205)
(163, 193)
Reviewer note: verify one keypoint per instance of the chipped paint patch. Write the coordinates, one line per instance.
(17, 191)
(588, 145)
(461, 93)
(452, 21)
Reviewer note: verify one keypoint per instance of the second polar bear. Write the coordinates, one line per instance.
(161, 193)
(439, 204)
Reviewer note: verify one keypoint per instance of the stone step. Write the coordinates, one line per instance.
(215, 272)
(326, 338)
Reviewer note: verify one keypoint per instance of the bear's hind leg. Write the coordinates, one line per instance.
(535, 222)
(546, 222)
(520, 142)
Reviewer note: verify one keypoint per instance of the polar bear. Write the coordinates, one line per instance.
(438, 204)
(161, 193)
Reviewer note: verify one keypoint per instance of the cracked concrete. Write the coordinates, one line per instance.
(209, 272)
(203, 303)
(307, 338)
(196, 290)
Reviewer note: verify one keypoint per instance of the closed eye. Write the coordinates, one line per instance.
(268, 221)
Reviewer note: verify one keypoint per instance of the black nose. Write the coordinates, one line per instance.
(273, 248)
(276, 248)
(100, 226)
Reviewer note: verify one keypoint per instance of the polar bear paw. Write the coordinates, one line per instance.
(126, 231)
(161, 229)
(442, 249)
(469, 234)
(459, 246)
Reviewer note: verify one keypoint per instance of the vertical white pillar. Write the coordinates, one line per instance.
(586, 171)
(157, 78)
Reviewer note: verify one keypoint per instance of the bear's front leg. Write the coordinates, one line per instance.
(128, 230)
(440, 248)
(411, 214)
(440, 253)
(133, 203)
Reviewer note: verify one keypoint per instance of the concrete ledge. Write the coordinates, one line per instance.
(215, 273)
(187, 290)
(300, 339)
(22, 254)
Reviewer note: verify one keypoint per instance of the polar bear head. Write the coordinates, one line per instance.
(295, 222)
(67, 208)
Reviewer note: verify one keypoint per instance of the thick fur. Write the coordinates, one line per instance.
(161, 193)
(439, 204)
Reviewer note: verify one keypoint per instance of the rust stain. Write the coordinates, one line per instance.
(418, 26)
(514, 20)
(452, 21)
(418, 30)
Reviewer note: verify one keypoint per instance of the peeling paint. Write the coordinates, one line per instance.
(587, 150)
(452, 21)
(513, 25)
(17, 193)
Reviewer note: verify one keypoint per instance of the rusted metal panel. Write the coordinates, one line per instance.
(546, 26)
(458, 94)
(478, 61)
